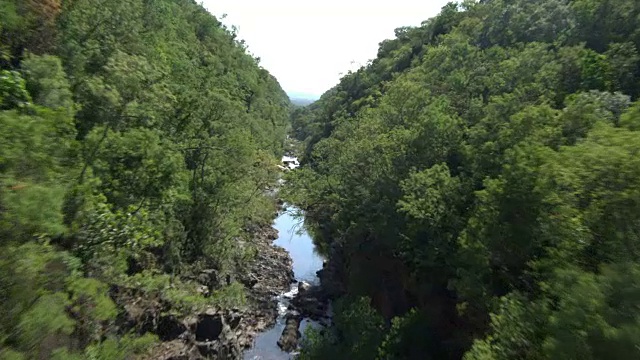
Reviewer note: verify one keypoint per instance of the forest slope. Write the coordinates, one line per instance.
(477, 186)
(137, 139)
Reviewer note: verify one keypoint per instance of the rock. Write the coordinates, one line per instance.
(191, 323)
(216, 333)
(311, 301)
(310, 307)
(250, 281)
(225, 346)
(234, 320)
(271, 233)
(206, 348)
(174, 350)
(332, 273)
(209, 278)
(170, 328)
(209, 327)
(291, 334)
(303, 286)
(203, 290)
(230, 278)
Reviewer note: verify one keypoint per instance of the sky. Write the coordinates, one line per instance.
(309, 45)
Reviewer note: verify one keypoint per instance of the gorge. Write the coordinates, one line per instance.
(474, 189)
(306, 262)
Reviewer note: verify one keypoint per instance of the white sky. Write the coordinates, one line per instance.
(307, 45)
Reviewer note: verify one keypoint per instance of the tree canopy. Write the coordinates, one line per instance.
(137, 141)
(478, 183)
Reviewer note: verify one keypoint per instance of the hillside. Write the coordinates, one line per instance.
(476, 187)
(301, 101)
(137, 140)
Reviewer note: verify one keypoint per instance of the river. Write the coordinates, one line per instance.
(306, 262)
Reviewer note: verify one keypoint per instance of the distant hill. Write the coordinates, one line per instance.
(302, 98)
(301, 101)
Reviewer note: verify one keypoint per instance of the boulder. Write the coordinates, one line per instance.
(310, 307)
(233, 319)
(311, 301)
(291, 334)
(215, 338)
(170, 328)
(303, 287)
(208, 278)
(209, 327)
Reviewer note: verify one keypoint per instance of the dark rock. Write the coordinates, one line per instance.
(170, 328)
(209, 327)
(208, 278)
(310, 307)
(230, 278)
(225, 347)
(207, 349)
(234, 320)
(174, 350)
(250, 281)
(332, 275)
(291, 334)
(311, 301)
(303, 286)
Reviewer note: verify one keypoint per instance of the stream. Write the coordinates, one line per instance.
(305, 264)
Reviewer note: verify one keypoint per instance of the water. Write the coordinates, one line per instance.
(306, 262)
(298, 243)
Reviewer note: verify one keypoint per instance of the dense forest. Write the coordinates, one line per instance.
(138, 137)
(476, 187)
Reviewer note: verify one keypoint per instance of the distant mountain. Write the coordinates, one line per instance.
(301, 101)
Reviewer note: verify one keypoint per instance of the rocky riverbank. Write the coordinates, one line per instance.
(313, 301)
(225, 333)
(215, 333)
(310, 302)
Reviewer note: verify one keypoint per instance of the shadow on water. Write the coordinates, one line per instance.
(306, 261)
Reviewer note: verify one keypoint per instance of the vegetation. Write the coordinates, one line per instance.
(137, 140)
(478, 184)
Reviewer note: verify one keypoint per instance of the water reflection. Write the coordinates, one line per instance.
(292, 237)
(306, 261)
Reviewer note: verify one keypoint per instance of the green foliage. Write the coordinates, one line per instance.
(631, 118)
(8, 354)
(482, 171)
(120, 348)
(47, 83)
(49, 305)
(138, 140)
(13, 92)
(408, 338)
(183, 295)
(45, 319)
(232, 295)
(355, 335)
